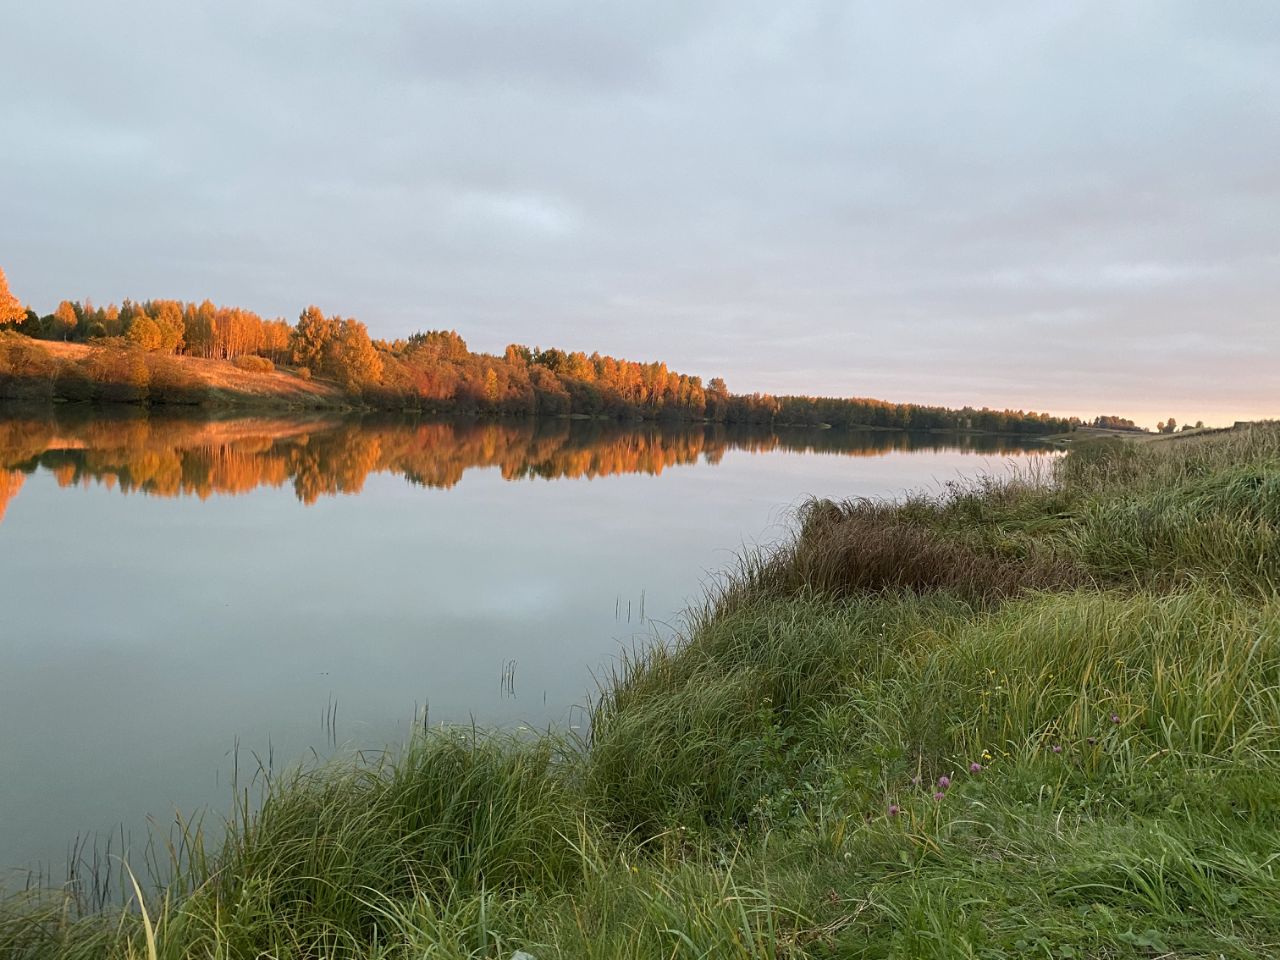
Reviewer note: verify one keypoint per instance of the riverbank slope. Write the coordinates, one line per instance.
(48, 371)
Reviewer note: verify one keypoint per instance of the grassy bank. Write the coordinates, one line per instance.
(1034, 718)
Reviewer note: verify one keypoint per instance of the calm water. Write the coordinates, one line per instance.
(175, 590)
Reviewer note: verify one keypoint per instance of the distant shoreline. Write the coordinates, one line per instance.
(52, 373)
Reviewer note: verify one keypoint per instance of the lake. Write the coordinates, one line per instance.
(180, 596)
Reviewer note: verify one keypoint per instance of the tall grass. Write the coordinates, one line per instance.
(859, 547)
(1035, 718)
(770, 694)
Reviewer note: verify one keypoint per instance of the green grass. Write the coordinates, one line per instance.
(1103, 642)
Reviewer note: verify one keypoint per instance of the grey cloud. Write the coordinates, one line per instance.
(1067, 206)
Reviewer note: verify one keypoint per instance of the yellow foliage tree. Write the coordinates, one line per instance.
(11, 311)
(146, 333)
(351, 358)
(66, 319)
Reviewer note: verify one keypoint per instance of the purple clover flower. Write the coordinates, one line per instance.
(975, 767)
(944, 782)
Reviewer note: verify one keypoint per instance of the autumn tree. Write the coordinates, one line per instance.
(310, 338)
(350, 357)
(146, 333)
(275, 339)
(197, 328)
(551, 358)
(11, 311)
(129, 311)
(65, 320)
(236, 332)
(438, 345)
(167, 316)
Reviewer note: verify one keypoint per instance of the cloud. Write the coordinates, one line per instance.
(1071, 207)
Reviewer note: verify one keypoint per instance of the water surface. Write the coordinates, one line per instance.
(178, 595)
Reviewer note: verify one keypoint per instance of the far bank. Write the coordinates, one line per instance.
(419, 377)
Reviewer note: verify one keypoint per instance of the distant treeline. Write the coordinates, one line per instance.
(1116, 423)
(433, 372)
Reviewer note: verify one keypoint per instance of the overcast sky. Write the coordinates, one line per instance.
(1063, 205)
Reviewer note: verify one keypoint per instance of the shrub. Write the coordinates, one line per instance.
(146, 333)
(73, 381)
(254, 363)
(26, 370)
(117, 376)
(172, 381)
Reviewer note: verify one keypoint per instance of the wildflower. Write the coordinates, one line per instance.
(1115, 718)
(944, 782)
(915, 781)
(939, 795)
(894, 809)
(1057, 748)
(985, 755)
(975, 768)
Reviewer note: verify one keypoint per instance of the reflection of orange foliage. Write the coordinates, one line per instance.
(165, 456)
(10, 484)
(65, 474)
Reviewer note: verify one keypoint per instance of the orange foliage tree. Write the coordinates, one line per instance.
(11, 311)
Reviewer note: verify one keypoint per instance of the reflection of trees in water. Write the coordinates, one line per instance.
(10, 484)
(170, 456)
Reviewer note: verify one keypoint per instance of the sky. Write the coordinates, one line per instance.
(1069, 206)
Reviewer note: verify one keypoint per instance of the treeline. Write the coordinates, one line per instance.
(865, 412)
(1117, 423)
(436, 372)
(1164, 426)
(169, 326)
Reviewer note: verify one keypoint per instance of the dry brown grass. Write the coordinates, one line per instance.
(861, 547)
(38, 369)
